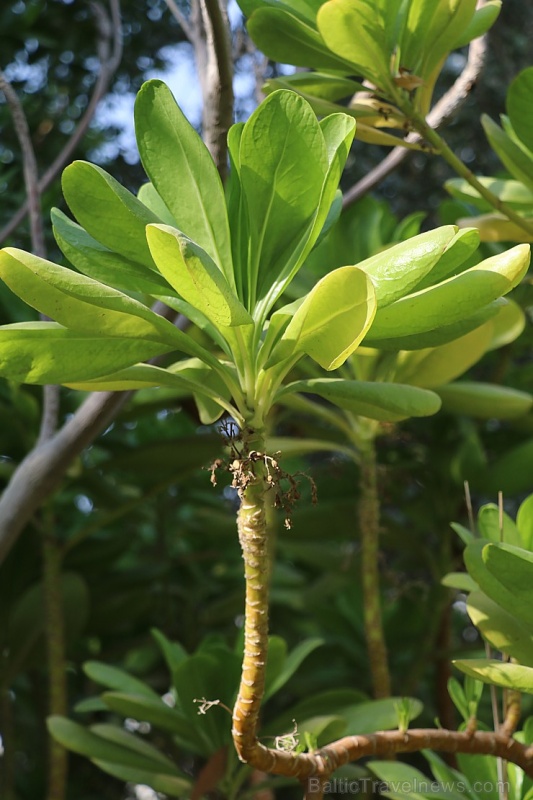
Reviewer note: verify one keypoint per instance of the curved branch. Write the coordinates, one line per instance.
(441, 113)
(42, 471)
(109, 47)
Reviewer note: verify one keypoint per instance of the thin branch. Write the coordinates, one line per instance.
(441, 113)
(42, 471)
(181, 19)
(109, 48)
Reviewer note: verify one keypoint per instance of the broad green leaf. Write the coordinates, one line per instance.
(458, 697)
(354, 30)
(497, 228)
(524, 522)
(463, 533)
(188, 377)
(318, 84)
(484, 400)
(215, 676)
(157, 713)
(282, 36)
(483, 19)
(396, 271)
(507, 325)
(303, 9)
(454, 259)
(519, 164)
(402, 775)
(447, 776)
(107, 211)
(457, 17)
(82, 304)
(441, 335)
(502, 630)
(459, 580)
(87, 743)
(511, 192)
(324, 729)
(454, 299)
(283, 164)
(149, 196)
(292, 662)
(511, 472)
(504, 573)
(510, 676)
(513, 568)
(332, 320)
(194, 276)
(488, 521)
(119, 736)
(103, 265)
(331, 701)
(388, 402)
(169, 785)
(44, 352)
(519, 102)
(182, 172)
(277, 655)
(438, 365)
(377, 715)
(115, 678)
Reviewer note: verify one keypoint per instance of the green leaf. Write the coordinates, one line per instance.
(87, 743)
(483, 19)
(401, 775)
(283, 164)
(354, 30)
(519, 101)
(454, 299)
(397, 270)
(331, 701)
(149, 196)
(166, 784)
(502, 630)
(103, 265)
(389, 402)
(511, 472)
(456, 257)
(514, 158)
(488, 520)
(510, 676)
(183, 173)
(44, 352)
(511, 192)
(332, 320)
(459, 580)
(317, 84)
(497, 228)
(292, 662)
(158, 714)
(457, 695)
(121, 737)
(82, 304)
(277, 655)
(107, 211)
(433, 367)
(194, 276)
(524, 522)
(283, 37)
(115, 678)
(463, 533)
(504, 573)
(377, 715)
(323, 729)
(484, 400)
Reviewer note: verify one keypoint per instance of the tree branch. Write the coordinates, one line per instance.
(181, 19)
(109, 48)
(441, 113)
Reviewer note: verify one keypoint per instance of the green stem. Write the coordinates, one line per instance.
(55, 641)
(438, 143)
(368, 514)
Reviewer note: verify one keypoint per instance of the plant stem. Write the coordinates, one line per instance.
(368, 514)
(438, 143)
(253, 537)
(55, 640)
